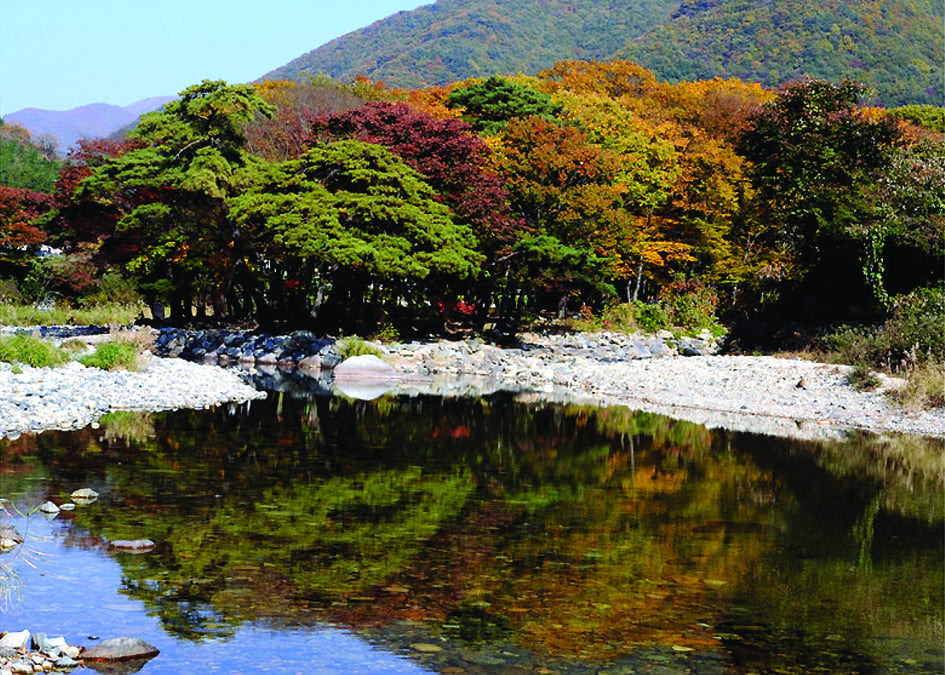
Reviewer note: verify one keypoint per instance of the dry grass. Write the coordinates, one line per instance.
(924, 387)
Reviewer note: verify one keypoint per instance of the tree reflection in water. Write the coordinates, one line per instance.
(574, 532)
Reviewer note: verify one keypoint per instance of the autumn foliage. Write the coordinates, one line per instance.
(356, 206)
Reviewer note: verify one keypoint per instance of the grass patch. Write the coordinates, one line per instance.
(31, 351)
(116, 355)
(98, 315)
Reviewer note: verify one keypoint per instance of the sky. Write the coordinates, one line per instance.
(61, 54)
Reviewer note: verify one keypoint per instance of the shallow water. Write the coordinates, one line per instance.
(479, 535)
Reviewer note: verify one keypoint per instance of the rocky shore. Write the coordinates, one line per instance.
(688, 380)
(73, 396)
(681, 377)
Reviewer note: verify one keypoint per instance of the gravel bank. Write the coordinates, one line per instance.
(74, 396)
(762, 394)
(785, 397)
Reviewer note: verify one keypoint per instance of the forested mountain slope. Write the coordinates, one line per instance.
(455, 39)
(895, 46)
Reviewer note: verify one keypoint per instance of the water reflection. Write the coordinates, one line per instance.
(501, 535)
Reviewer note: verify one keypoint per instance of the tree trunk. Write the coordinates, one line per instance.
(636, 288)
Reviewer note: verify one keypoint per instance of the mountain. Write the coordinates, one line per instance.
(895, 46)
(454, 39)
(96, 120)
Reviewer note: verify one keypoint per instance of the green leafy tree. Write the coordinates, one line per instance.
(25, 163)
(815, 156)
(489, 105)
(352, 220)
(171, 192)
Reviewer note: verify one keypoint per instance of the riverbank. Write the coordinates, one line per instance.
(684, 378)
(761, 394)
(73, 396)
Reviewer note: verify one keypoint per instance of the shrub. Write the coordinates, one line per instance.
(10, 292)
(112, 355)
(387, 334)
(102, 315)
(862, 378)
(914, 333)
(690, 305)
(355, 346)
(112, 289)
(650, 317)
(619, 317)
(31, 351)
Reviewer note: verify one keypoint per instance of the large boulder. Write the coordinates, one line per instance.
(364, 377)
(120, 649)
(365, 367)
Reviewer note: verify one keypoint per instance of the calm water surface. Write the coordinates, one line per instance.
(317, 534)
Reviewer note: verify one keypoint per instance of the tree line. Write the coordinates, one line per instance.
(491, 201)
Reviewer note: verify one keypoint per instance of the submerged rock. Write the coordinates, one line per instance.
(132, 545)
(9, 538)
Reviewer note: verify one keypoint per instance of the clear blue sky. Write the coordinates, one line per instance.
(60, 54)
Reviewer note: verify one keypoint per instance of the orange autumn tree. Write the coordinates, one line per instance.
(683, 182)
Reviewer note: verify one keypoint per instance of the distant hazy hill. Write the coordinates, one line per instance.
(96, 120)
(895, 46)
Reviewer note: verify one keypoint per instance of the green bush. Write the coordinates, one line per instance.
(862, 378)
(690, 305)
(112, 289)
(31, 351)
(619, 317)
(10, 292)
(650, 317)
(387, 334)
(913, 333)
(924, 387)
(355, 346)
(118, 355)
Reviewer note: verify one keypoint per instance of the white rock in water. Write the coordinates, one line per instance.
(84, 493)
(15, 640)
(365, 366)
(49, 507)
